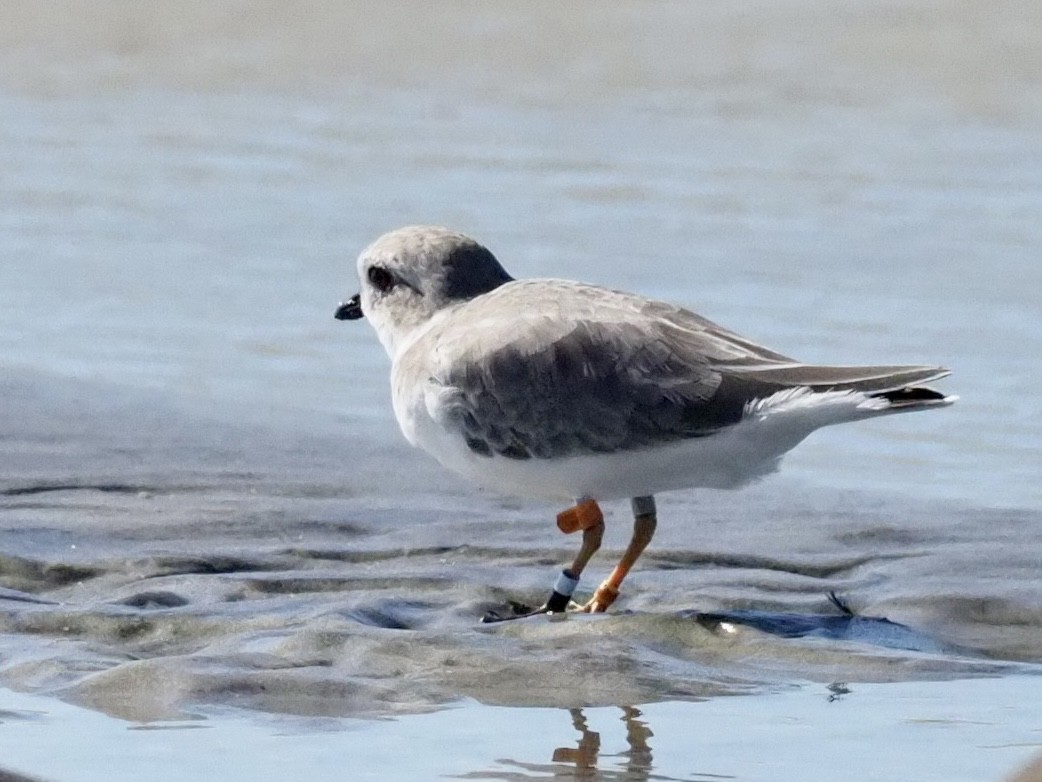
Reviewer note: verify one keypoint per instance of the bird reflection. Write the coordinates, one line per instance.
(581, 761)
(583, 757)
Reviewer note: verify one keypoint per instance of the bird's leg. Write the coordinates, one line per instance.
(644, 522)
(585, 516)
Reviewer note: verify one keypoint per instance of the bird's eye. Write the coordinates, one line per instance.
(381, 279)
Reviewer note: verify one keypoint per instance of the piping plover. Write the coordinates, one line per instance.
(560, 389)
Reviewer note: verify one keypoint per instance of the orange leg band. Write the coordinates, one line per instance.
(583, 516)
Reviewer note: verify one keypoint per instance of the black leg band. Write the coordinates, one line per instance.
(563, 590)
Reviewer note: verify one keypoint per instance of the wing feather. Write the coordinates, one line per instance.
(545, 368)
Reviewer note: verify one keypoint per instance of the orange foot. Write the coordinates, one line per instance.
(602, 598)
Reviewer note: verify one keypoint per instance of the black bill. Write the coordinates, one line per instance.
(350, 309)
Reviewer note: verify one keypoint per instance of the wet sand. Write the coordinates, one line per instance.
(240, 564)
(233, 590)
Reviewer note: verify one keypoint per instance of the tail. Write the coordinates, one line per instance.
(848, 392)
(889, 389)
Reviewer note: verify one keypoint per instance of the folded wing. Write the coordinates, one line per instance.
(582, 370)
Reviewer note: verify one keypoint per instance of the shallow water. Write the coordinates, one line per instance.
(951, 731)
(204, 501)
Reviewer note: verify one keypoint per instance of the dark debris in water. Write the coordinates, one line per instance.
(847, 626)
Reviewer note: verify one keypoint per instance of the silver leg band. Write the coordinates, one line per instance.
(566, 584)
(643, 506)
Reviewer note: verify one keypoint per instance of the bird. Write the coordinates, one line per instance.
(564, 390)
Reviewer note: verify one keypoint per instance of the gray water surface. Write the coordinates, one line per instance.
(950, 731)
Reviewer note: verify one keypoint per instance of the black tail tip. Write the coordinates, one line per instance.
(911, 395)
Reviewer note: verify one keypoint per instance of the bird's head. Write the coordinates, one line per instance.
(408, 275)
